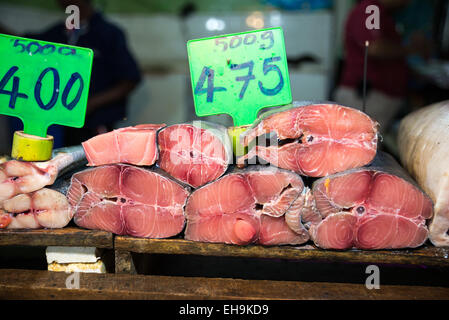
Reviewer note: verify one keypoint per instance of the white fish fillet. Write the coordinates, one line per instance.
(19, 177)
(424, 150)
(44, 208)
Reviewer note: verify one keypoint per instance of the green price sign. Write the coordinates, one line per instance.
(43, 83)
(239, 74)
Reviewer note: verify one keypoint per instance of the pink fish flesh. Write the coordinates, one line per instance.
(195, 153)
(134, 145)
(128, 200)
(249, 206)
(315, 139)
(375, 207)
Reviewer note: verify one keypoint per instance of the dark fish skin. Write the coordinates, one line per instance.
(62, 183)
(386, 163)
(78, 159)
(77, 164)
(383, 162)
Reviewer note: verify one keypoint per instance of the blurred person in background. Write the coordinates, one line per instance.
(387, 72)
(114, 71)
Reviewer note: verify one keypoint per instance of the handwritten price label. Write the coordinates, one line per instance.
(43, 83)
(239, 74)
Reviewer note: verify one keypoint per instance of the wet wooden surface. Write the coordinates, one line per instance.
(33, 284)
(69, 236)
(427, 255)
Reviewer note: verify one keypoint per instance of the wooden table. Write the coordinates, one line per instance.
(126, 284)
(69, 236)
(427, 255)
(33, 284)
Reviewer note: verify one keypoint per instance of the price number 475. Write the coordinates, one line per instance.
(268, 66)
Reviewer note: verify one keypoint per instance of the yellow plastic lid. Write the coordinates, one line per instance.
(27, 147)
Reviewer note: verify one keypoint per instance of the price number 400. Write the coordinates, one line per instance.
(14, 93)
(268, 66)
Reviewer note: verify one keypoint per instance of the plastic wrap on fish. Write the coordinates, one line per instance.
(424, 150)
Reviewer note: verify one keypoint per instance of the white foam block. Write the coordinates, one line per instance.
(72, 254)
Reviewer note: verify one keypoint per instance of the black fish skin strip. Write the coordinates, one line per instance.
(78, 158)
(65, 174)
(383, 162)
(62, 184)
